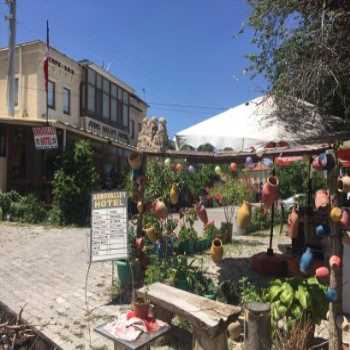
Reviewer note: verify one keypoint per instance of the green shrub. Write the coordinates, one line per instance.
(28, 209)
(73, 184)
(6, 200)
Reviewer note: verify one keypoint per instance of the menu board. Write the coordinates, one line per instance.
(109, 226)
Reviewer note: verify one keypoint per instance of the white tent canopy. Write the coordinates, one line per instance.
(242, 127)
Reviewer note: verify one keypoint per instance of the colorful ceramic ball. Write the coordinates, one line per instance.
(322, 230)
(179, 168)
(322, 272)
(322, 158)
(167, 162)
(335, 261)
(218, 170)
(191, 169)
(249, 163)
(267, 162)
(233, 167)
(331, 295)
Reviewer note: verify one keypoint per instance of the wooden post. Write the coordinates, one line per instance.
(258, 335)
(335, 247)
(201, 340)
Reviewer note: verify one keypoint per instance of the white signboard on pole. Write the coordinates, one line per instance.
(109, 226)
(45, 138)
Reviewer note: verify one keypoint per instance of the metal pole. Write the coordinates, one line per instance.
(47, 53)
(11, 87)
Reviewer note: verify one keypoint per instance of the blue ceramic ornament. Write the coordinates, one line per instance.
(249, 162)
(135, 173)
(267, 162)
(323, 159)
(306, 261)
(191, 169)
(331, 295)
(322, 230)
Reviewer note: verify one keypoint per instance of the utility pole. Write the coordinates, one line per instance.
(11, 86)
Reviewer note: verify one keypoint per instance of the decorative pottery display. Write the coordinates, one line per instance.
(135, 160)
(216, 250)
(270, 191)
(233, 167)
(335, 261)
(306, 261)
(218, 170)
(322, 272)
(293, 224)
(174, 194)
(322, 230)
(179, 168)
(317, 164)
(191, 169)
(321, 198)
(345, 218)
(331, 295)
(244, 214)
(160, 209)
(202, 213)
(335, 214)
(343, 184)
(167, 162)
(286, 161)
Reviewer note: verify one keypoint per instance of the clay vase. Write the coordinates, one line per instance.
(160, 209)
(293, 224)
(321, 199)
(233, 167)
(306, 261)
(202, 213)
(322, 230)
(135, 160)
(151, 233)
(141, 309)
(270, 191)
(322, 272)
(216, 250)
(244, 214)
(335, 261)
(174, 194)
(335, 214)
(343, 184)
(345, 218)
(179, 168)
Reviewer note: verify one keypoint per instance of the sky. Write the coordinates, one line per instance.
(182, 57)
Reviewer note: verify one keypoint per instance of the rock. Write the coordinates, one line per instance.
(234, 330)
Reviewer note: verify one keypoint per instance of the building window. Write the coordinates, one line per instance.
(16, 91)
(66, 101)
(133, 129)
(114, 103)
(91, 99)
(105, 110)
(125, 117)
(51, 94)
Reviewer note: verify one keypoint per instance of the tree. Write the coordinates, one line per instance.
(73, 183)
(304, 54)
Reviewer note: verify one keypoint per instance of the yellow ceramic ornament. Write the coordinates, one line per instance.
(174, 194)
(216, 250)
(244, 214)
(151, 233)
(335, 214)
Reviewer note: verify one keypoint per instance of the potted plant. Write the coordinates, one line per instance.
(141, 306)
(227, 226)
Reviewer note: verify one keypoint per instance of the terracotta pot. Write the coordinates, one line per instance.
(179, 168)
(345, 218)
(151, 233)
(270, 191)
(244, 214)
(317, 164)
(321, 198)
(335, 261)
(160, 209)
(343, 153)
(216, 250)
(139, 243)
(174, 194)
(135, 160)
(335, 214)
(202, 213)
(141, 309)
(233, 167)
(344, 184)
(293, 224)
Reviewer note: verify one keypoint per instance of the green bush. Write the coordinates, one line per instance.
(73, 184)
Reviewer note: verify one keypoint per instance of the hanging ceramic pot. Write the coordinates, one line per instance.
(335, 261)
(140, 207)
(322, 272)
(218, 170)
(249, 163)
(344, 184)
(317, 164)
(216, 250)
(268, 162)
(135, 160)
(306, 261)
(321, 199)
(244, 214)
(167, 162)
(174, 194)
(233, 167)
(343, 153)
(293, 224)
(345, 218)
(160, 209)
(270, 191)
(191, 169)
(151, 232)
(202, 213)
(179, 168)
(322, 230)
(139, 243)
(331, 295)
(335, 214)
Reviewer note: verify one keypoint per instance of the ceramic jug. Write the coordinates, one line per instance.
(345, 218)
(244, 214)
(321, 198)
(174, 194)
(293, 224)
(306, 261)
(335, 214)
(270, 191)
(216, 250)
(344, 184)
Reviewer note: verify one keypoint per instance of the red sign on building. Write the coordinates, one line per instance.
(45, 138)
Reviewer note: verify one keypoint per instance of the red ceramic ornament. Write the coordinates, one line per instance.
(335, 261)
(322, 272)
(233, 167)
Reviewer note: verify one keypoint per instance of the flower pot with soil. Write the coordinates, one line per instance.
(141, 307)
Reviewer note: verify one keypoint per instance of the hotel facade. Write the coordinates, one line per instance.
(84, 101)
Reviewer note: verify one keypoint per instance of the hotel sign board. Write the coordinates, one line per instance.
(109, 226)
(99, 129)
(45, 138)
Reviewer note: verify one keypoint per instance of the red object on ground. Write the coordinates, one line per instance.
(270, 265)
(150, 322)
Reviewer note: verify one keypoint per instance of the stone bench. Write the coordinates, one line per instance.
(209, 318)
